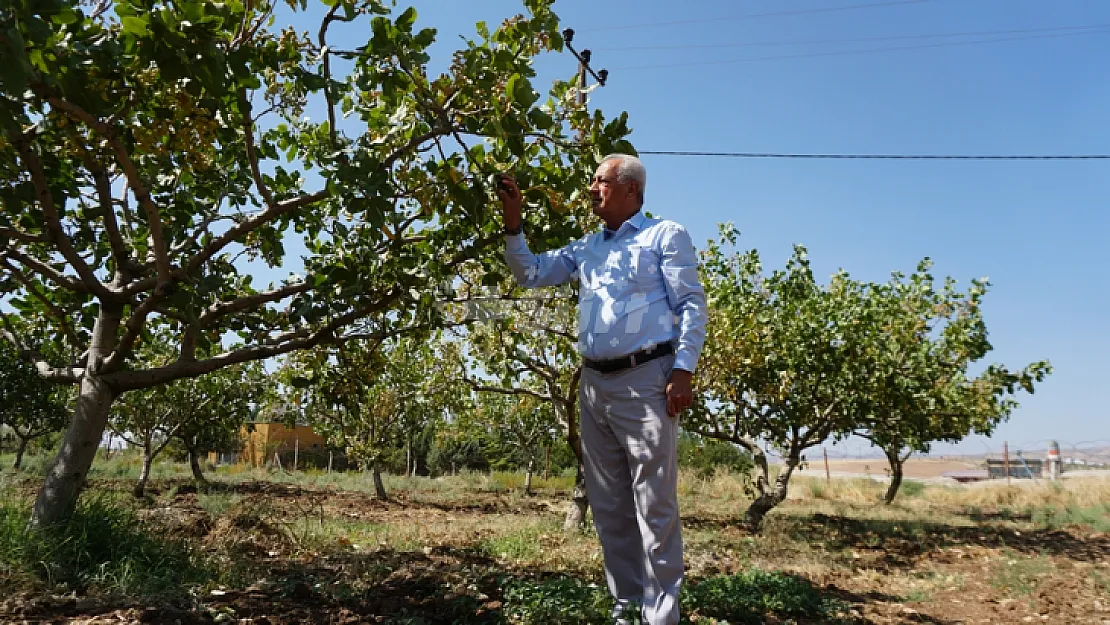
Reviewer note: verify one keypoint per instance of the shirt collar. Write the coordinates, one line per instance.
(636, 221)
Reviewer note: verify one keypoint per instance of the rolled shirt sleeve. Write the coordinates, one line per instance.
(538, 270)
(679, 264)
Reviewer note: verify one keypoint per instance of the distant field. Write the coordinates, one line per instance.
(920, 468)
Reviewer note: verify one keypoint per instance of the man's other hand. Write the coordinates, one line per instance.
(679, 391)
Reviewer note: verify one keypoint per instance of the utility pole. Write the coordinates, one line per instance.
(584, 70)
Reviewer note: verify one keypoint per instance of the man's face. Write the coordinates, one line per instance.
(611, 198)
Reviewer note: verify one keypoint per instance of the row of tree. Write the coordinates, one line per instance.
(153, 160)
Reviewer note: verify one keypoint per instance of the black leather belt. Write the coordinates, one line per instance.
(627, 362)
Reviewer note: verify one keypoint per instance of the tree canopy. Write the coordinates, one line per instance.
(152, 155)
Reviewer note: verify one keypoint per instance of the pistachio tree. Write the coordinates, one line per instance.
(364, 395)
(522, 343)
(197, 412)
(783, 362)
(920, 386)
(155, 157)
(29, 406)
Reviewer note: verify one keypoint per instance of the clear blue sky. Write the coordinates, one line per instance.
(1038, 230)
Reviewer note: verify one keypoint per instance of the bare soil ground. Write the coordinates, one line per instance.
(310, 554)
(916, 468)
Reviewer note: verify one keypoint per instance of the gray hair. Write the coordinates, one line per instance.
(629, 168)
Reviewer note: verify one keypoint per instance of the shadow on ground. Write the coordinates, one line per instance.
(903, 542)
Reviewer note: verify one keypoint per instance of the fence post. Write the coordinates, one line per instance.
(828, 476)
(1006, 459)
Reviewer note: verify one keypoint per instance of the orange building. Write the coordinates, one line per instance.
(267, 439)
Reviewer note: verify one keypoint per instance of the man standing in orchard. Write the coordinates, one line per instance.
(641, 325)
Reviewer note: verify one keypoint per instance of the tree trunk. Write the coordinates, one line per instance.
(769, 495)
(897, 466)
(409, 471)
(528, 477)
(144, 475)
(22, 447)
(58, 496)
(580, 504)
(379, 485)
(194, 466)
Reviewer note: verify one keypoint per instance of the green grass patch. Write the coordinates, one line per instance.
(556, 601)
(102, 548)
(218, 504)
(911, 488)
(747, 597)
(1055, 517)
(521, 544)
(1020, 576)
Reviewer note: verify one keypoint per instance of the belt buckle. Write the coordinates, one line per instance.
(632, 359)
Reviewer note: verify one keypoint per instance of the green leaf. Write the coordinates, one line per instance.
(136, 26)
(540, 119)
(66, 16)
(407, 19)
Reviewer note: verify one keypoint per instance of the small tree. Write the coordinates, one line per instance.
(919, 385)
(30, 406)
(190, 410)
(522, 344)
(782, 363)
(358, 393)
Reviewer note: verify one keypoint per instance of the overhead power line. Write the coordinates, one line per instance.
(850, 7)
(903, 157)
(762, 44)
(804, 55)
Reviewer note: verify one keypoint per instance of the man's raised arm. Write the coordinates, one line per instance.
(529, 270)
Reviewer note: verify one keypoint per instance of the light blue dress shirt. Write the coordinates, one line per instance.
(637, 289)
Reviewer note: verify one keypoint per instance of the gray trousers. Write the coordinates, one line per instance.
(629, 450)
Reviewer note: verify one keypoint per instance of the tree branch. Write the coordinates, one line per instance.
(54, 223)
(248, 142)
(21, 236)
(134, 180)
(251, 224)
(41, 268)
(296, 340)
(70, 375)
(58, 313)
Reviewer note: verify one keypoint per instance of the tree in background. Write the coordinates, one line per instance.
(919, 384)
(195, 411)
(151, 161)
(29, 406)
(783, 364)
(522, 344)
(705, 456)
(357, 395)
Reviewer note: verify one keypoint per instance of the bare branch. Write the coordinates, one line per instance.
(131, 332)
(111, 226)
